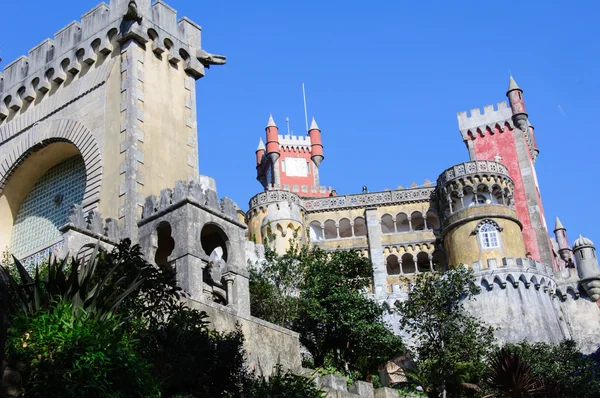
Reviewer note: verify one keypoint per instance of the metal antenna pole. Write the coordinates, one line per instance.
(305, 114)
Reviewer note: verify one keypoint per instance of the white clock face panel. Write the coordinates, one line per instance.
(295, 167)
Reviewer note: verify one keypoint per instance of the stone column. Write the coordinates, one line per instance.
(229, 279)
(409, 223)
(375, 251)
(425, 222)
(430, 262)
(189, 275)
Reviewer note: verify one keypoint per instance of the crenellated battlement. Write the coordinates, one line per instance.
(184, 192)
(294, 141)
(513, 271)
(493, 116)
(92, 223)
(49, 64)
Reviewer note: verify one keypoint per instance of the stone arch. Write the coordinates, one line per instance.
(524, 280)
(393, 265)
(387, 224)
(316, 231)
(331, 231)
(498, 281)
(408, 264)
(345, 228)
(423, 264)
(211, 237)
(485, 285)
(165, 243)
(53, 131)
(510, 279)
(402, 224)
(418, 223)
(360, 227)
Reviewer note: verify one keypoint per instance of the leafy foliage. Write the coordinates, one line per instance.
(449, 345)
(512, 377)
(70, 353)
(78, 284)
(121, 288)
(285, 385)
(562, 369)
(322, 296)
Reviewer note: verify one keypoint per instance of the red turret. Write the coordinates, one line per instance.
(316, 145)
(272, 140)
(515, 97)
(260, 152)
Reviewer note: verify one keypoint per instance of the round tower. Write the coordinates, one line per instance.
(273, 151)
(480, 224)
(316, 145)
(517, 103)
(564, 251)
(276, 217)
(587, 267)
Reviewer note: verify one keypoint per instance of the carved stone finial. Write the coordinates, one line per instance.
(94, 222)
(132, 12)
(111, 229)
(75, 216)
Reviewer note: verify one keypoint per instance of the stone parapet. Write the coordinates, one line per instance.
(52, 62)
(369, 199)
(92, 224)
(491, 118)
(504, 271)
(477, 167)
(189, 192)
(337, 386)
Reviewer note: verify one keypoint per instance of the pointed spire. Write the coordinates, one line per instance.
(313, 125)
(261, 145)
(558, 225)
(512, 84)
(271, 122)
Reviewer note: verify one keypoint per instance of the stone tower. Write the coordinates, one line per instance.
(291, 162)
(101, 116)
(587, 267)
(505, 134)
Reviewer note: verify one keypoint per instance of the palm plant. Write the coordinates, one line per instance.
(512, 377)
(68, 282)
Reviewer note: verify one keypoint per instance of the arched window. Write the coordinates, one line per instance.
(393, 265)
(47, 205)
(330, 230)
(316, 232)
(387, 224)
(488, 236)
(360, 228)
(345, 228)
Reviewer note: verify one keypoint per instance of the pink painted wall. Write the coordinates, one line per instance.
(502, 143)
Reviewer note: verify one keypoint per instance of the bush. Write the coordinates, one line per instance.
(67, 352)
(285, 385)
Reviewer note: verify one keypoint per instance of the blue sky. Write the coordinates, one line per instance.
(384, 80)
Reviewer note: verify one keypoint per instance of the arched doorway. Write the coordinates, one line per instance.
(36, 201)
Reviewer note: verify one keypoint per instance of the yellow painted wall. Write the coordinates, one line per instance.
(111, 156)
(463, 246)
(22, 181)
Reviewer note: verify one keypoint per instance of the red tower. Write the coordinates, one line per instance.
(291, 162)
(505, 135)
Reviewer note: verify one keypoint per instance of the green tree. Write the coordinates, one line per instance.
(120, 287)
(449, 346)
(322, 296)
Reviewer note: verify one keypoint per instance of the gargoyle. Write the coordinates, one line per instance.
(132, 12)
(208, 59)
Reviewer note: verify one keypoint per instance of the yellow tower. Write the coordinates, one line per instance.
(480, 225)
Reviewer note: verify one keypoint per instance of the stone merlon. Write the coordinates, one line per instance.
(96, 33)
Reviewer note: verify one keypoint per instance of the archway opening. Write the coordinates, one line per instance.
(166, 244)
(408, 264)
(37, 198)
(212, 237)
(393, 265)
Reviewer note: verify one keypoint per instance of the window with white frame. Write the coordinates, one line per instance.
(488, 236)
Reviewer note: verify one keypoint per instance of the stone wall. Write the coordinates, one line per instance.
(265, 343)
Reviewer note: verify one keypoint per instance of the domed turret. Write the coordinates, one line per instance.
(587, 267)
